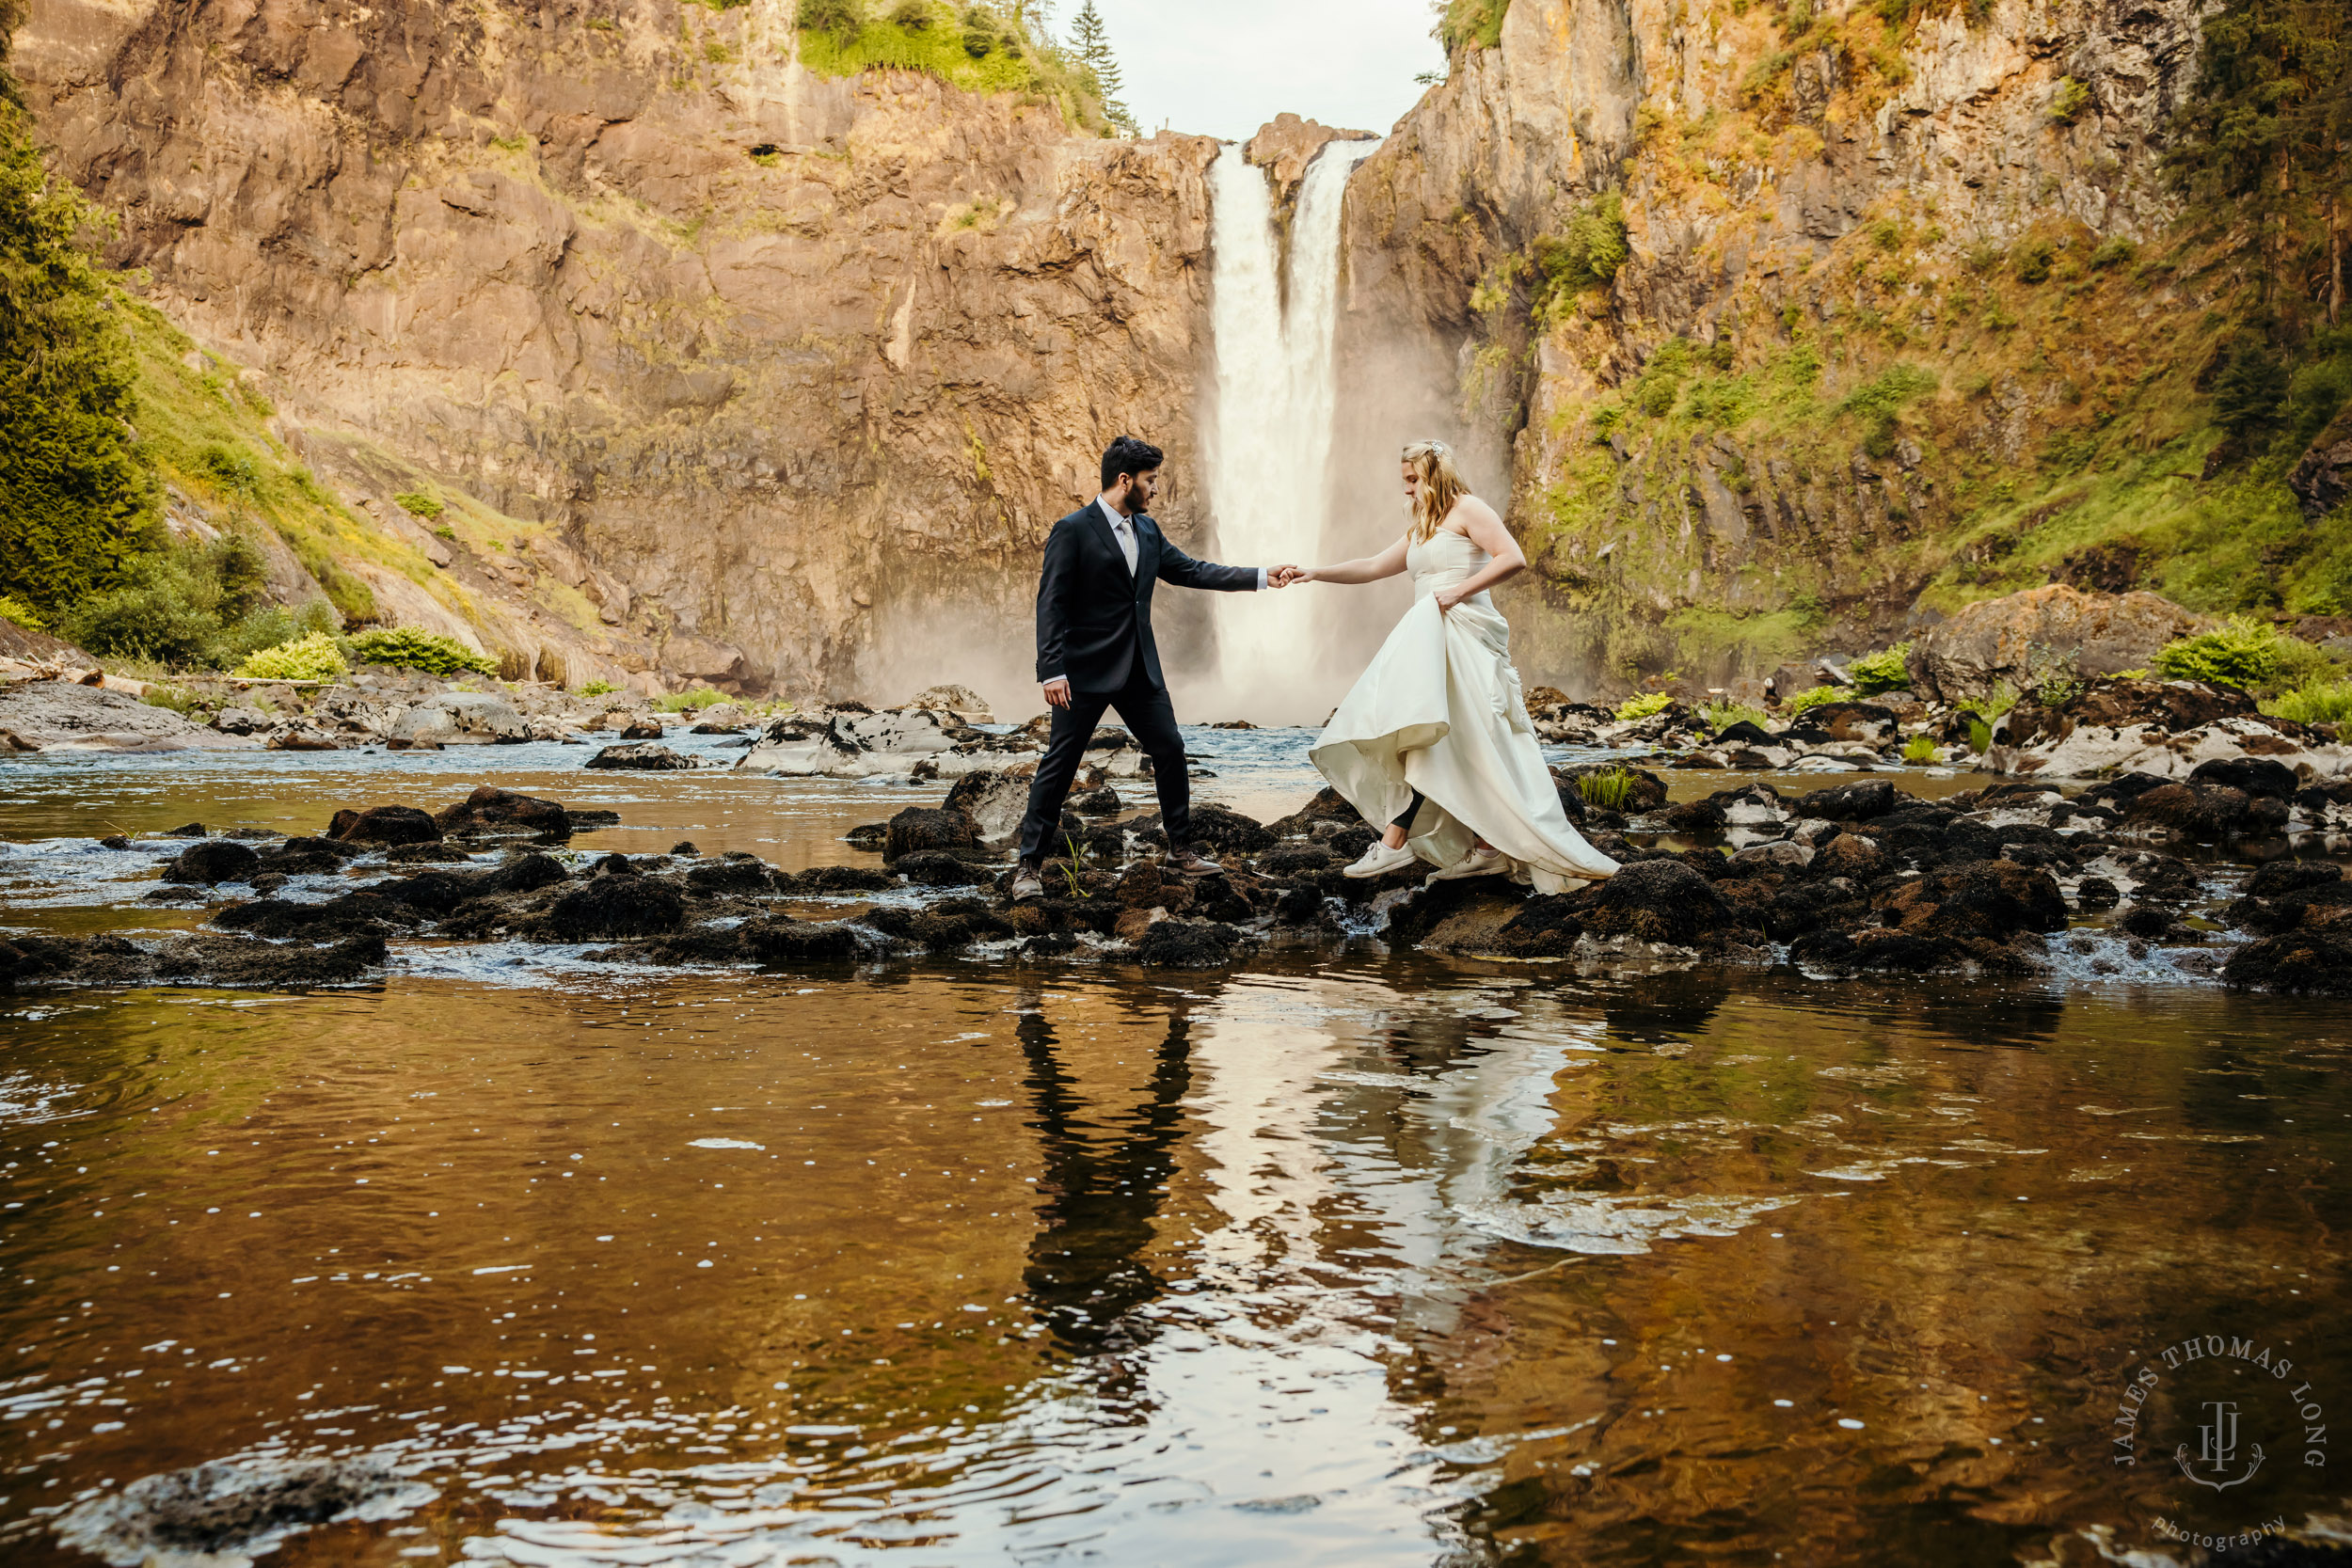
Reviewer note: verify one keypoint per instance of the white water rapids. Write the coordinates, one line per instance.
(1270, 443)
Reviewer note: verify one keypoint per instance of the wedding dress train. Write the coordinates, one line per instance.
(1440, 710)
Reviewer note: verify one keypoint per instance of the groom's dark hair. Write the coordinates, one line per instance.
(1128, 456)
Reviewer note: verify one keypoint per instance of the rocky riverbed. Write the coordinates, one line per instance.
(2225, 877)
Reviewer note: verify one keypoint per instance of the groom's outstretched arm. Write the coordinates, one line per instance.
(1185, 572)
(1055, 587)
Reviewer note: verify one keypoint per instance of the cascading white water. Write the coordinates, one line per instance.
(1277, 387)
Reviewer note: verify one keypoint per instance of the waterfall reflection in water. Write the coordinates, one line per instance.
(1359, 1261)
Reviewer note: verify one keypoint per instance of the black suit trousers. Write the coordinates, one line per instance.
(1145, 709)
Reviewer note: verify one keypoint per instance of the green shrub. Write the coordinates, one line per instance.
(2071, 98)
(409, 648)
(682, 702)
(1610, 791)
(2251, 390)
(418, 504)
(1815, 696)
(1880, 399)
(1644, 706)
(598, 688)
(1993, 704)
(1587, 254)
(1721, 715)
(2319, 703)
(187, 606)
(2114, 251)
(18, 611)
(310, 659)
(2031, 260)
(1979, 734)
(77, 498)
(1919, 749)
(1887, 670)
(2242, 652)
(1464, 23)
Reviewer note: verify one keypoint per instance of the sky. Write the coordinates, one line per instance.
(1223, 68)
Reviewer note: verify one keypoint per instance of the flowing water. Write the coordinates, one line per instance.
(1349, 1258)
(1270, 443)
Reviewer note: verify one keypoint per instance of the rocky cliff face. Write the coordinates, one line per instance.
(1727, 445)
(775, 379)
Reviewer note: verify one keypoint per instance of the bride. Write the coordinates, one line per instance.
(1435, 739)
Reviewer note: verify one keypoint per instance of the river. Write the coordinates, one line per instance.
(1350, 1257)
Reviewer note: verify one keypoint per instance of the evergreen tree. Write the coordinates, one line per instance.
(76, 499)
(1086, 36)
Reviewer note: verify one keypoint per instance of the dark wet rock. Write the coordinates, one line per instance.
(1191, 944)
(426, 854)
(1849, 803)
(1867, 722)
(1662, 901)
(2074, 814)
(643, 757)
(1326, 806)
(384, 825)
(1216, 830)
(1100, 802)
(939, 868)
(615, 907)
(869, 836)
(1851, 855)
(1892, 950)
(594, 818)
(1289, 859)
(2262, 776)
(614, 865)
(919, 829)
(699, 944)
(1784, 853)
(186, 829)
(490, 809)
(363, 912)
(2152, 922)
(234, 1508)
(203, 959)
(524, 873)
(1745, 734)
(642, 729)
(2283, 877)
(114, 841)
(736, 873)
(212, 862)
(1992, 900)
(2157, 877)
(1483, 917)
(2205, 812)
(2315, 963)
(2116, 794)
(781, 940)
(2096, 893)
(2313, 906)
(1144, 885)
(835, 880)
(1050, 945)
(1694, 818)
(1299, 904)
(2171, 706)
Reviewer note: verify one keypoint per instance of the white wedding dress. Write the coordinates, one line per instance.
(1440, 710)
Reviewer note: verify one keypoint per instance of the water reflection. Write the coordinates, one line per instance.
(1365, 1260)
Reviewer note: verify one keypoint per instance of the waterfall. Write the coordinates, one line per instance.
(1277, 387)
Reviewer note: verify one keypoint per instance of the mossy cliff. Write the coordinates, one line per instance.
(755, 344)
(1786, 326)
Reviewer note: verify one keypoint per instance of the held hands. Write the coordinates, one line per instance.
(1058, 691)
(1282, 577)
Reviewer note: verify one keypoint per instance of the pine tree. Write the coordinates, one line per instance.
(1094, 51)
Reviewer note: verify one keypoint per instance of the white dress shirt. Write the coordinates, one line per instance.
(1123, 530)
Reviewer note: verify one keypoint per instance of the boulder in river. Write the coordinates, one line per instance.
(490, 809)
(1666, 902)
(995, 800)
(213, 861)
(384, 825)
(461, 718)
(61, 715)
(919, 828)
(642, 757)
(233, 1510)
(2165, 729)
(616, 906)
(2000, 641)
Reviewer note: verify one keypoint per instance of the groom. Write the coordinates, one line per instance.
(1095, 651)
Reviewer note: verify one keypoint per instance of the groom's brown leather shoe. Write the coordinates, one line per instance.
(1027, 884)
(1187, 861)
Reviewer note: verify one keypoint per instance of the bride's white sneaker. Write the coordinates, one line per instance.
(1478, 863)
(1381, 860)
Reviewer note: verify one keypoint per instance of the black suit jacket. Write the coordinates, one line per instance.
(1093, 619)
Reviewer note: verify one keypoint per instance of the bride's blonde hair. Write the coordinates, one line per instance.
(1440, 488)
